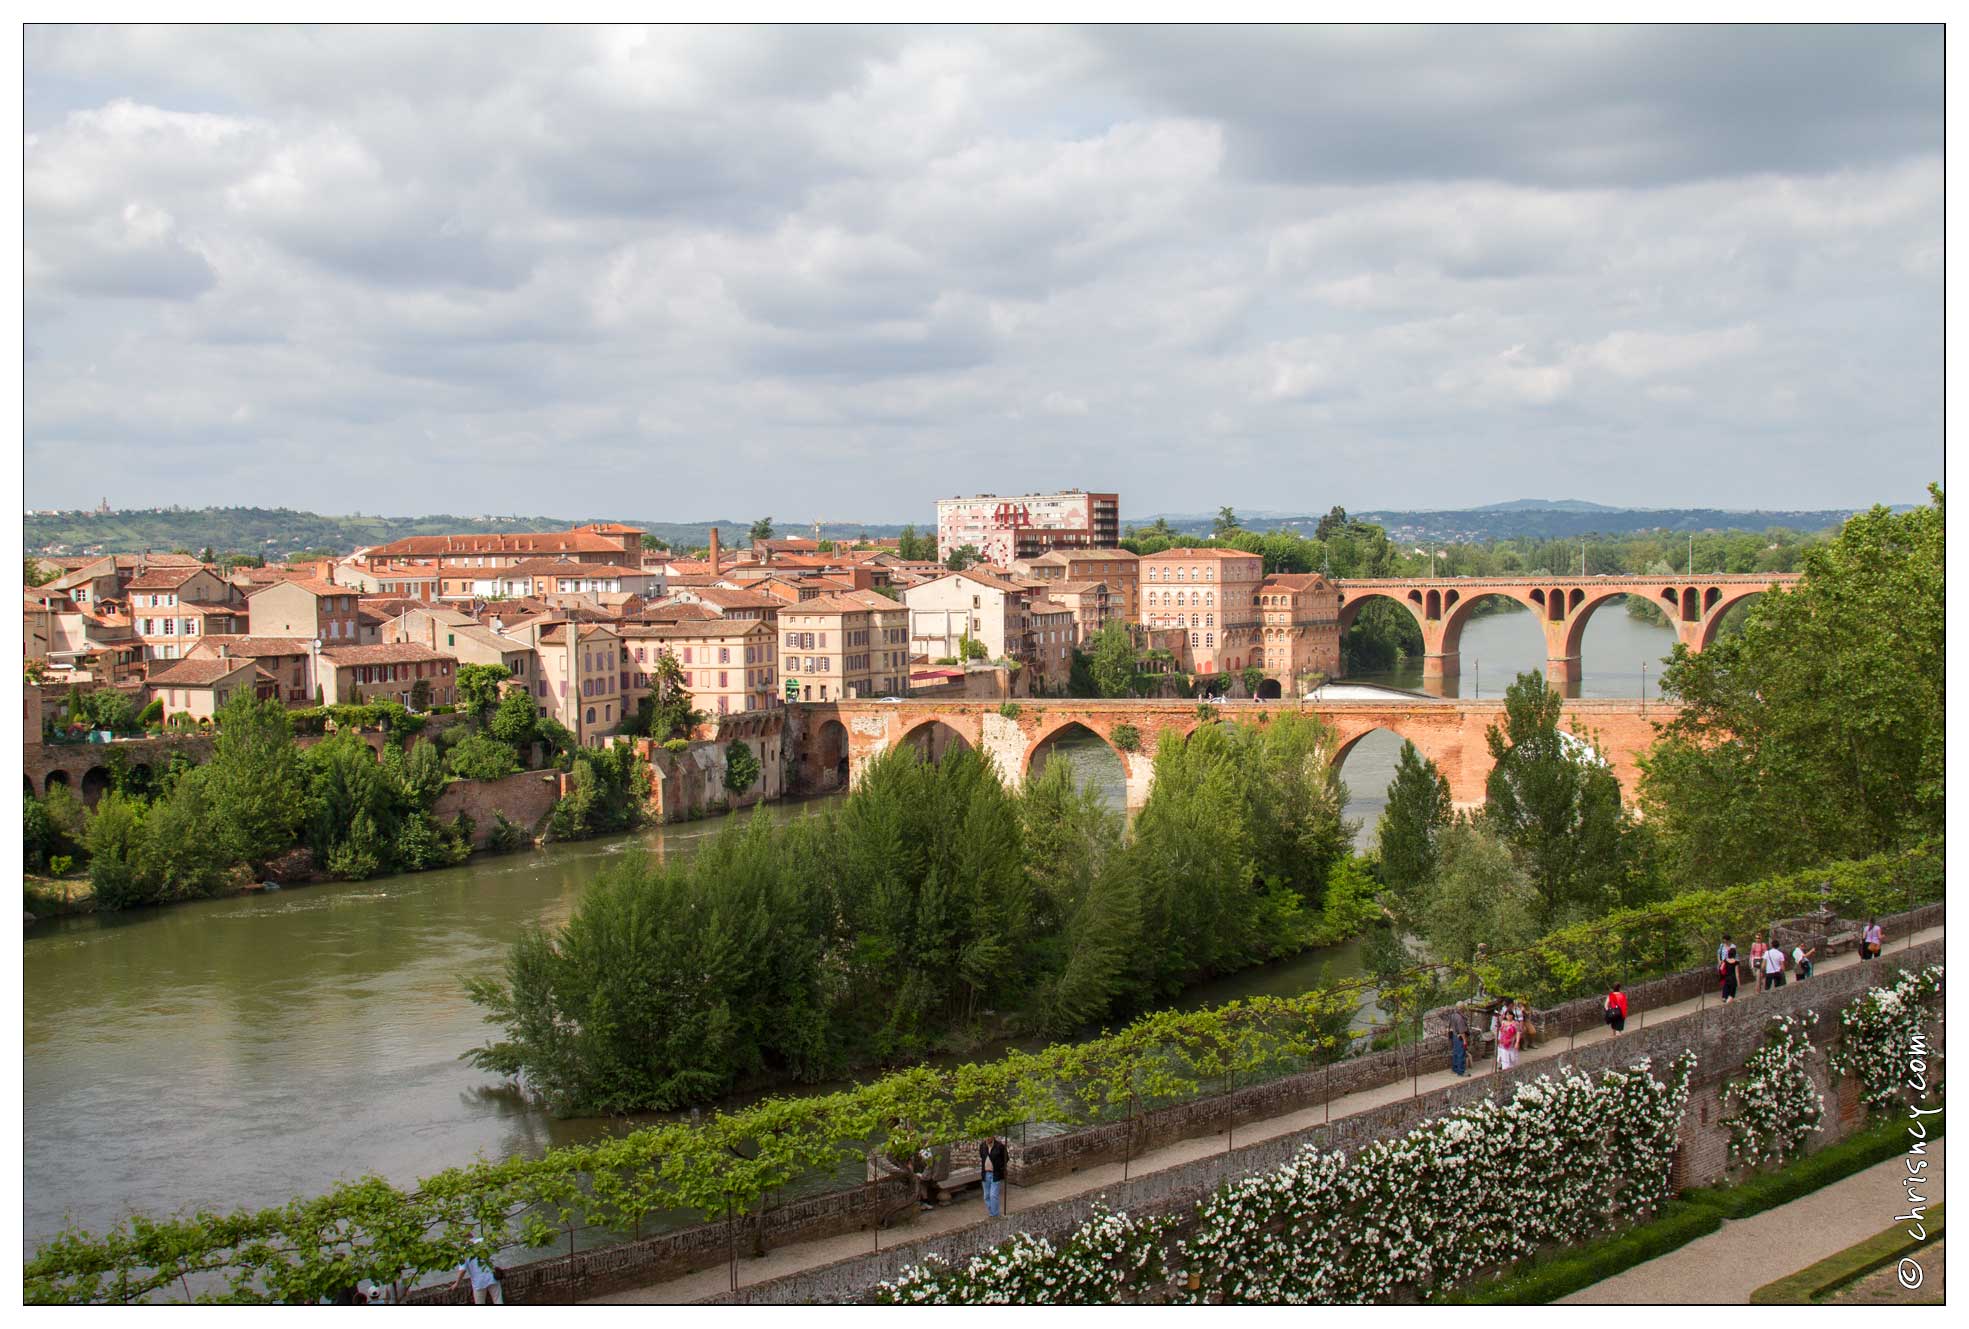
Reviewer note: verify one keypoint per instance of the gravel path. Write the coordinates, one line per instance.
(1731, 1263)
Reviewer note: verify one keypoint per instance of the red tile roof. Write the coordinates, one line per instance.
(308, 584)
(243, 645)
(165, 578)
(519, 542)
(386, 653)
(198, 672)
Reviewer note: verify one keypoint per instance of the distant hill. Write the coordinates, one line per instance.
(1525, 518)
(276, 533)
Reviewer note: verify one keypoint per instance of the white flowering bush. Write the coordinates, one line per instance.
(1485, 1184)
(1481, 1186)
(1775, 1108)
(1111, 1258)
(1876, 1034)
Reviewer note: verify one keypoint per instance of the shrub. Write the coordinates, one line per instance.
(153, 714)
(1009, 709)
(482, 757)
(1126, 737)
(677, 745)
(506, 837)
(60, 865)
(741, 767)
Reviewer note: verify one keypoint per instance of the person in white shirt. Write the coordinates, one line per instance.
(1801, 960)
(1774, 968)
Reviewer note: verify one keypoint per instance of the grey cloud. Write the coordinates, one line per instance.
(861, 266)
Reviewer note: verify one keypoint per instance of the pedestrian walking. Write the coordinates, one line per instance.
(1870, 940)
(1726, 970)
(1526, 1030)
(1507, 1042)
(1723, 949)
(992, 1159)
(1773, 968)
(1616, 1010)
(1459, 1040)
(1757, 949)
(1801, 960)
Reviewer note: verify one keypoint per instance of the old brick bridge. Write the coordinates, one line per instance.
(831, 741)
(1441, 606)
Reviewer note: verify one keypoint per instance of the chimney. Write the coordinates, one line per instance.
(714, 551)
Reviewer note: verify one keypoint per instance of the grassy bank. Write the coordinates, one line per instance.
(1694, 1213)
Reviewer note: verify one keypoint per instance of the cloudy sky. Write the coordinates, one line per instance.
(838, 273)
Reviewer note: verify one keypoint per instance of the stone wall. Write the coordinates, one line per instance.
(524, 799)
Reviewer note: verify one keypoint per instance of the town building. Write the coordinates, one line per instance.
(1118, 568)
(458, 634)
(1300, 634)
(1024, 525)
(1049, 644)
(854, 644)
(316, 610)
(989, 609)
(199, 687)
(1212, 594)
(288, 662)
(398, 671)
(172, 606)
(461, 560)
(729, 665)
(579, 682)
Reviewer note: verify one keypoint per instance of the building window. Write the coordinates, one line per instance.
(591, 715)
(1209, 639)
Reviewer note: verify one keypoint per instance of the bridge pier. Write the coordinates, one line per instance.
(1441, 665)
(1563, 673)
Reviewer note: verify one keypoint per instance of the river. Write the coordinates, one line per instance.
(238, 1052)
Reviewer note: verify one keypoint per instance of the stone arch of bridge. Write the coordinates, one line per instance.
(1353, 599)
(1715, 608)
(1459, 607)
(933, 736)
(95, 783)
(1085, 724)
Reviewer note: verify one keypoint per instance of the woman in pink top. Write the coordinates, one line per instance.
(1757, 949)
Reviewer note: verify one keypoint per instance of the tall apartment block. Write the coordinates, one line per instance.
(1026, 525)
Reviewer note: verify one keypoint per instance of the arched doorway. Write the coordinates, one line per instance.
(1091, 759)
(95, 783)
(55, 778)
(1270, 690)
(933, 738)
(824, 764)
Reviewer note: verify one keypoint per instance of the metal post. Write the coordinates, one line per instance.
(1644, 687)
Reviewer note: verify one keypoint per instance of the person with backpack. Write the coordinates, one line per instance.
(1616, 1010)
(1801, 960)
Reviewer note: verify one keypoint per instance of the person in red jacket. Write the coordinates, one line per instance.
(1616, 1008)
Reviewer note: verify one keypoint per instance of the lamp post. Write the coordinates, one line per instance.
(1644, 687)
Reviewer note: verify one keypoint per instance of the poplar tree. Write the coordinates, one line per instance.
(1408, 837)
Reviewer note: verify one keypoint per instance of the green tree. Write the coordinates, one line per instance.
(1417, 814)
(963, 557)
(1224, 523)
(36, 573)
(116, 842)
(482, 757)
(1478, 897)
(741, 767)
(423, 772)
(1253, 678)
(478, 689)
(665, 711)
(1113, 660)
(190, 837)
(1556, 802)
(254, 782)
(516, 720)
(54, 824)
(1333, 523)
(762, 529)
(1816, 733)
(970, 648)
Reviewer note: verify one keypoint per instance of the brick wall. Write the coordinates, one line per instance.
(524, 799)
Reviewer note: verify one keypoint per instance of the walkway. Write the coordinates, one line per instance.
(1744, 1254)
(798, 1256)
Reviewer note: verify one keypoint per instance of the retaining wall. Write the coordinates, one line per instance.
(524, 799)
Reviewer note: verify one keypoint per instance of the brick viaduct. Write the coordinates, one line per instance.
(1441, 607)
(833, 740)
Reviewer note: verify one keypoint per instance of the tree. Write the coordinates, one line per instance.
(1556, 803)
(516, 719)
(1824, 717)
(206, 556)
(652, 543)
(115, 846)
(423, 772)
(36, 573)
(1478, 897)
(482, 757)
(478, 689)
(1113, 660)
(1334, 522)
(762, 529)
(665, 711)
(253, 782)
(420, 695)
(190, 838)
(1412, 825)
(54, 825)
(915, 548)
(970, 648)
(963, 557)
(1224, 523)
(1254, 678)
(741, 767)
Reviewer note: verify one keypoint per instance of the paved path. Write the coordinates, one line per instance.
(1732, 1262)
(797, 1256)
